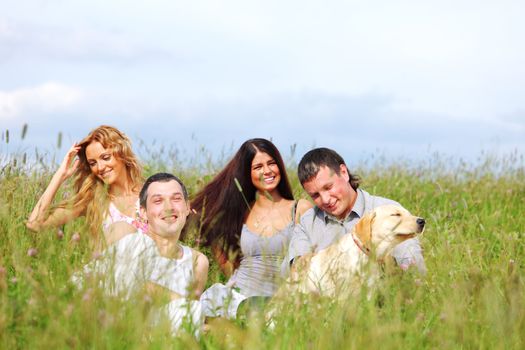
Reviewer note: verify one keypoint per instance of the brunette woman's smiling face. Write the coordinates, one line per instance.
(104, 164)
(265, 172)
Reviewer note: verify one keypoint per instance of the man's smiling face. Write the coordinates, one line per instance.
(166, 209)
(332, 192)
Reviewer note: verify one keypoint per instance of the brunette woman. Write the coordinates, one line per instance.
(248, 213)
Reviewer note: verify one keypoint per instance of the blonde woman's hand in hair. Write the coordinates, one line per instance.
(69, 164)
(40, 218)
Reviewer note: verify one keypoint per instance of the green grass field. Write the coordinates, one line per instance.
(472, 297)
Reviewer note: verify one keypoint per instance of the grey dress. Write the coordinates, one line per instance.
(259, 271)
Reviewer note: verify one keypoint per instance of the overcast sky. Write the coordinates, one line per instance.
(399, 78)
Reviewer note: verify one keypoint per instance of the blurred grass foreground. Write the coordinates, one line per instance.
(472, 297)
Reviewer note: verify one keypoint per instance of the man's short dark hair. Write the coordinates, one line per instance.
(313, 160)
(159, 177)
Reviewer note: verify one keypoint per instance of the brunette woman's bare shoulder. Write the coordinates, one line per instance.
(302, 206)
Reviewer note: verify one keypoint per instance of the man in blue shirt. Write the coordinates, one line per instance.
(340, 203)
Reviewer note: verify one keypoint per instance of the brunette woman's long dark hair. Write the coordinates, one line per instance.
(221, 205)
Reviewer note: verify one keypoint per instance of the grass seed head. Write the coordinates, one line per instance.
(32, 252)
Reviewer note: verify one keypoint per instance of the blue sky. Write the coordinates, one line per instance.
(399, 78)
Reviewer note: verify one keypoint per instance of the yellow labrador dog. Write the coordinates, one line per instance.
(343, 267)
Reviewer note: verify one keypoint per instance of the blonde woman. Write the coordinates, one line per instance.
(107, 182)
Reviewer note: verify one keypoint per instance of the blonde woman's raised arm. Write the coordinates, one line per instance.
(39, 218)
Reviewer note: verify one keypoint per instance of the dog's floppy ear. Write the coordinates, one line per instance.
(363, 229)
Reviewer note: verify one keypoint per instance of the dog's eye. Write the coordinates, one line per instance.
(395, 214)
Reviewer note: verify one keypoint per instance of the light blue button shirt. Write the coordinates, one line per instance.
(317, 230)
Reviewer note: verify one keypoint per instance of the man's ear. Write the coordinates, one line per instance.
(363, 229)
(343, 170)
(189, 210)
(143, 215)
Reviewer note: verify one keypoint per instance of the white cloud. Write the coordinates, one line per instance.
(46, 98)
(54, 42)
(453, 69)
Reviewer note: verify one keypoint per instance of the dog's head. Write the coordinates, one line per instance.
(385, 227)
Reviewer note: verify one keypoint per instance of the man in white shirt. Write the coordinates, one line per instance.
(154, 260)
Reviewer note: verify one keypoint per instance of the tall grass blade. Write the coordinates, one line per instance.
(239, 187)
(59, 140)
(24, 131)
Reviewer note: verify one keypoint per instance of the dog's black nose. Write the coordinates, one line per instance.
(420, 222)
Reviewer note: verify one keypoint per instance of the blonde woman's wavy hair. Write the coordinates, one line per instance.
(91, 192)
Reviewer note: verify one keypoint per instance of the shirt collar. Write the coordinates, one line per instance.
(358, 209)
